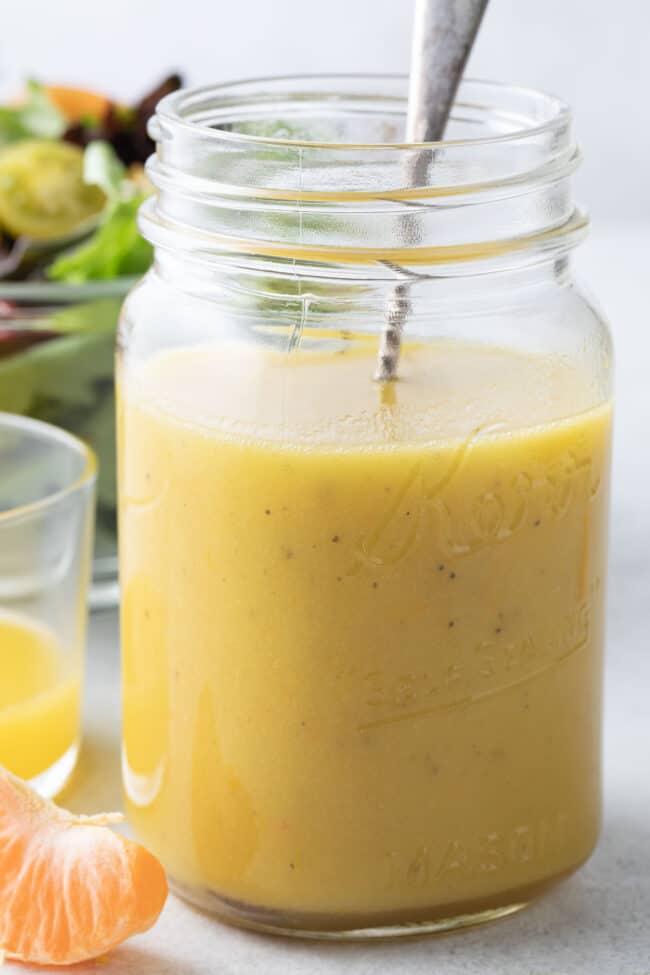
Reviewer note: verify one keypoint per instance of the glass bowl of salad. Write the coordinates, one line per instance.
(71, 183)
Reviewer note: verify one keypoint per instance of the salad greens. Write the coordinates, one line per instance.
(116, 247)
(59, 148)
(34, 117)
(72, 178)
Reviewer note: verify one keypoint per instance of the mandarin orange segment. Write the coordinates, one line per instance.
(78, 103)
(70, 888)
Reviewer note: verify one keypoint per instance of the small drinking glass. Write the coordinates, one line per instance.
(47, 494)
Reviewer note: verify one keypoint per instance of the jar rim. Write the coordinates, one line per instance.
(234, 174)
(175, 107)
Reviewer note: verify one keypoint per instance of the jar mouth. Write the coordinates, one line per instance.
(530, 112)
(314, 169)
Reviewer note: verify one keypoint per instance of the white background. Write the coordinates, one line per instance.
(594, 53)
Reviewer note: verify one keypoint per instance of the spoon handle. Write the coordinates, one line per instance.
(443, 35)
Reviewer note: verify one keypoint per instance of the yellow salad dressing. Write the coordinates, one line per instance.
(40, 694)
(362, 628)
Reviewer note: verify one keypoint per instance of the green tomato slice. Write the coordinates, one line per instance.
(42, 192)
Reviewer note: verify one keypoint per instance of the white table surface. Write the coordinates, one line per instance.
(598, 922)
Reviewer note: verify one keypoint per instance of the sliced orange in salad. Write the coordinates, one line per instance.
(70, 889)
(78, 104)
(42, 191)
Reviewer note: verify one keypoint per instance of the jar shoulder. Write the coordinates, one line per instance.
(554, 317)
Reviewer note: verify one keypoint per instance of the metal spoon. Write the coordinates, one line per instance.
(443, 36)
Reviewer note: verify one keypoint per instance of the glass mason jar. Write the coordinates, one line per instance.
(362, 621)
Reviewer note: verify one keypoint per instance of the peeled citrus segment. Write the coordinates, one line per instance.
(70, 888)
(42, 191)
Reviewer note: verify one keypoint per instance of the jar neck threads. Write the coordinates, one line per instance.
(304, 172)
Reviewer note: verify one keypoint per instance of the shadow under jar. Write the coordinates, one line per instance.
(362, 623)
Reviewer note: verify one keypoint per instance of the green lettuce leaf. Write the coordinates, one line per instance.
(37, 117)
(116, 248)
(103, 168)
